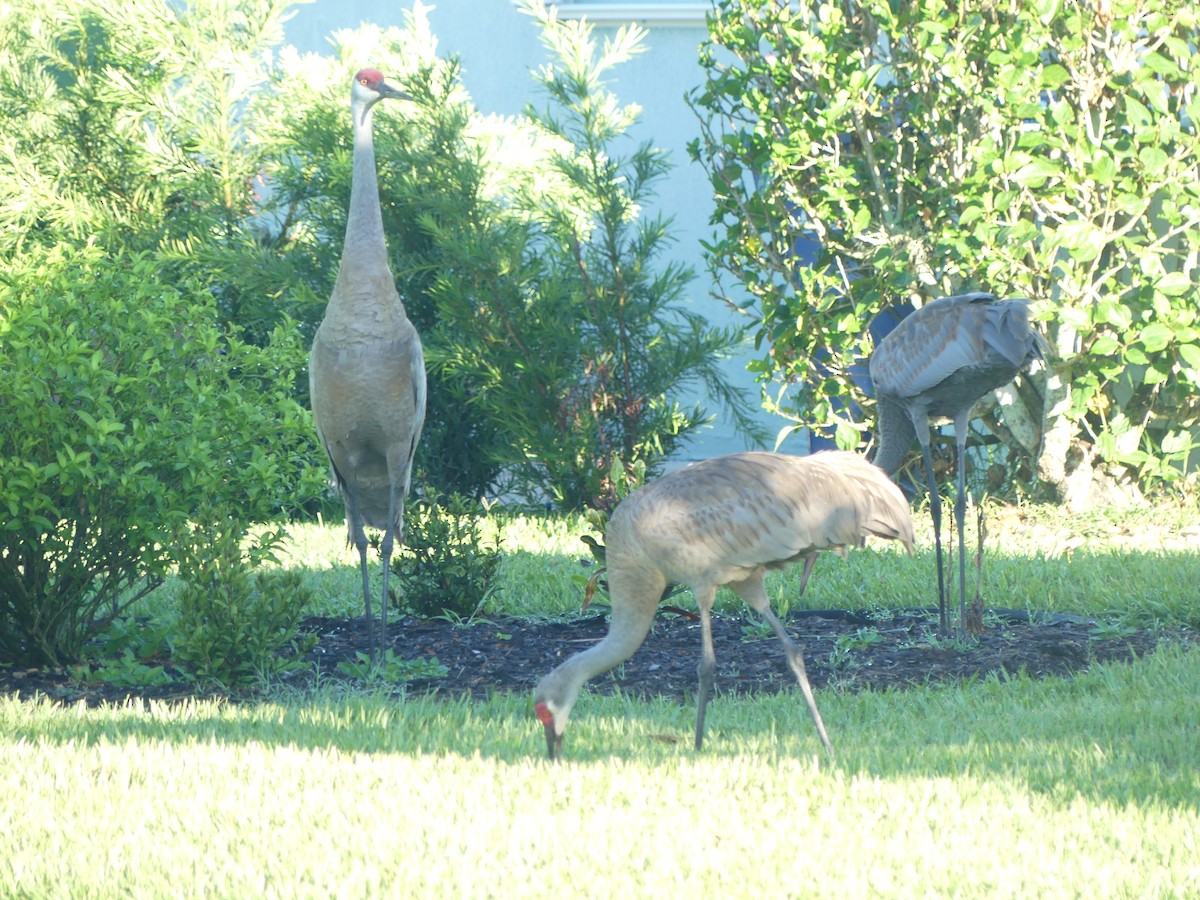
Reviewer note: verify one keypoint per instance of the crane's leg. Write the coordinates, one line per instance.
(395, 514)
(935, 511)
(980, 531)
(754, 593)
(809, 561)
(358, 537)
(974, 623)
(960, 516)
(708, 658)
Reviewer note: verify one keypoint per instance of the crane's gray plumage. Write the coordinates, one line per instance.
(725, 521)
(366, 370)
(937, 363)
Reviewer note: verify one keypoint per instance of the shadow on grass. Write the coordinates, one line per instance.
(1118, 734)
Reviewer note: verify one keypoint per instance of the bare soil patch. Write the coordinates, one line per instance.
(843, 649)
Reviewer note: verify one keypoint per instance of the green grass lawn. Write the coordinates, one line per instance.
(1009, 788)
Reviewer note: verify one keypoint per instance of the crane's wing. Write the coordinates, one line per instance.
(942, 338)
(746, 510)
(928, 346)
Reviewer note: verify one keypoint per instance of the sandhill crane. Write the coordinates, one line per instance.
(938, 362)
(725, 521)
(366, 370)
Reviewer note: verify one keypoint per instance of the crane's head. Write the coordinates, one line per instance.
(369, 88)
(554, 698)
(553, 725)
(552, 702)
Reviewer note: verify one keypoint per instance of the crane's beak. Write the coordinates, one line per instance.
(387, 92)
(553, 742)
(553, 738)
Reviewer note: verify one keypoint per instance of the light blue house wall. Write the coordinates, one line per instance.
(498, 46)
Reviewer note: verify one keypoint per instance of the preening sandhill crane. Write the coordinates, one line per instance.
(937, 363)
(366, 370)
(725, 521)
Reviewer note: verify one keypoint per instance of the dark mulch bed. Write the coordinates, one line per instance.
(846, 650)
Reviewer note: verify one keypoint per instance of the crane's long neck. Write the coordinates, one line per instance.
(563, 685)
(895, 435)
(634, 596)
(365, 250)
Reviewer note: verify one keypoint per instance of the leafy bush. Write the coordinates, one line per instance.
(391, 669)
(445, 567)
(237, 623)
(124, 670)
(129, 651)
(124, 410)
(926, 148)
(636, 347)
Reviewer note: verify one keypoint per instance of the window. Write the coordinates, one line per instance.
(612, 12)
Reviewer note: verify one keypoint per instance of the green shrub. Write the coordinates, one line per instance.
(124, 411)
(121, 132)
(445, 567)
(391, 669)
(124, 670)
(1045, 150)
(237, 623)
(129, 651)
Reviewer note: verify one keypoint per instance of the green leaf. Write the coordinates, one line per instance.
(1154, 159)
(1155, 337)
(1077, 319)
(1054, 76)
(1177, 442)
(1160, 64)
(1173, 284)
(1082, 238)
(1036, 172)
(1135, 356)
(1190, 354)
(847, 436)
(1111, 311)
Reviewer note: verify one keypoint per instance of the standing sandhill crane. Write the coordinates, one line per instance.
(938, 362)
(366, 370)
(725, 521)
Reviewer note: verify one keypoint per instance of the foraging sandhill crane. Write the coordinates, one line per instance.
(938, 362)
(366, 370)
(725, 521)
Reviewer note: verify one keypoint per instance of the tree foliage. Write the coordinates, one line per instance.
(929, 148)
(133, 125)
(126, 411)
(130, 244)
(172, 205)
